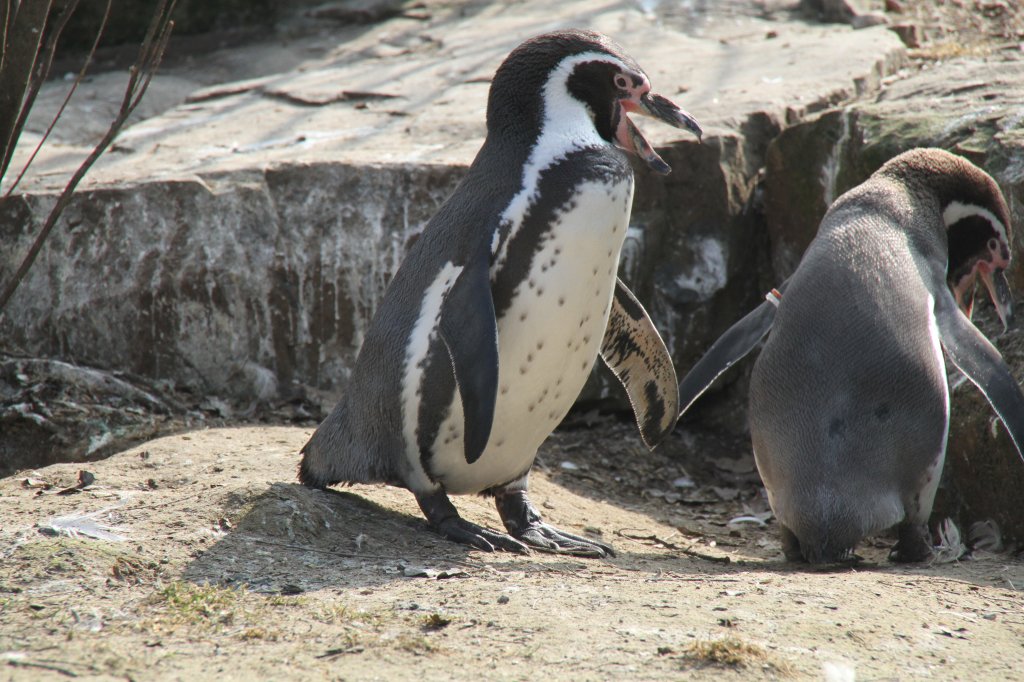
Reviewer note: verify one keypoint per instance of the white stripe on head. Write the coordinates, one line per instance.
(423, 333)
(568, 125)
(957, 211)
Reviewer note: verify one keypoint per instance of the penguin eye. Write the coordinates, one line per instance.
(620, 82)
(993, 245)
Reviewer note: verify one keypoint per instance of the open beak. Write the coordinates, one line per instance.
(999, 291)
(629, 137)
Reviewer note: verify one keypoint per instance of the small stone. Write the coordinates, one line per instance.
(910, 34)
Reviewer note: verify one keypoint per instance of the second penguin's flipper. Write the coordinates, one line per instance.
(979, 360)
(730, 348)
(634, 351)
(470, 333)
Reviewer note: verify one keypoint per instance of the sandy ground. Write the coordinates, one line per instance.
(215, 562)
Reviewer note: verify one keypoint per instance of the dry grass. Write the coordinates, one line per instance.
(435, 621)
(943, 51)
(197, 604)
(734, 653)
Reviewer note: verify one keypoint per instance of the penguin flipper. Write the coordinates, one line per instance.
(731, 347)
(470, 333)
(978, 359)
(635, 352)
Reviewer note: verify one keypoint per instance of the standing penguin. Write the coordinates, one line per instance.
(849, 401)
(492, 324)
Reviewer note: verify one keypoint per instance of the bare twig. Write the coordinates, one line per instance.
(67, 98)
(22, 663)
(26, 22)
(7, 11)
(140, 75)
(670, 545)
(40, 71)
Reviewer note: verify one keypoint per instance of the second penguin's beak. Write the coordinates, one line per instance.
(629, 137)
(999, 291)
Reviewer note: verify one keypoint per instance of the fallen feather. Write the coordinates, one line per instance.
(77, 525)
(950, 547)
(985, 535)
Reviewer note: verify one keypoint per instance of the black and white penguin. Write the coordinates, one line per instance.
(849, 400)
(490, 327)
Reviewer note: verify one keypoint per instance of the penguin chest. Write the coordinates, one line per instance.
(548, 338)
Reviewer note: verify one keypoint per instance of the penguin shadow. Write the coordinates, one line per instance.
(290, 539)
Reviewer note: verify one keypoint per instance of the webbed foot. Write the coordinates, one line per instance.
(445, 519)
(913, 543)
(523, 522)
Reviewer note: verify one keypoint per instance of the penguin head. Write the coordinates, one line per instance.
(976, 220)
(584, 84)
(979, 247)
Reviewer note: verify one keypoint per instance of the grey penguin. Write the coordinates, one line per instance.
(495, 318)
(849, 400)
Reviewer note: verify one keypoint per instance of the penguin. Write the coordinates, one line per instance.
(495, 318)
(849, 399)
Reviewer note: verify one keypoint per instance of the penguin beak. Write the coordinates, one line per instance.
(666, 110)
(629, 137)
(999, 292)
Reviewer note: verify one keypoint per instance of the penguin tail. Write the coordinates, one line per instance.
(829, 528)
(333, 455)
(826, 543)
(313, 471)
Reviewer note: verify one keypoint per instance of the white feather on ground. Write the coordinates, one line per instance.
(87, 525)
(950, 547)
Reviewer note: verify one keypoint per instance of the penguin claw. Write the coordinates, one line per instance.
(445, 519)
(523, 522)
(550, 539)
(468, 533)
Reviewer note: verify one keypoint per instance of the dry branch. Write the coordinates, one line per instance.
(140, 75)
(67, 98)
